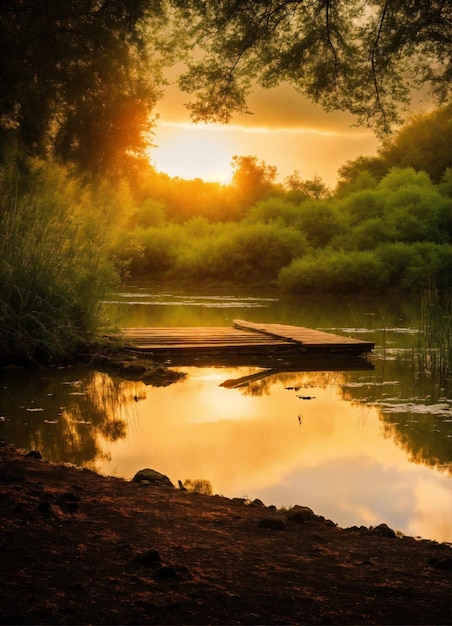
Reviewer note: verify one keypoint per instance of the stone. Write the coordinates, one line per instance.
(149, 557)
(383, 530)
(166, 572)
(271, 523)
(152, 477)
(445, 563)
(300, 514)
(33, 454)
(257, 503)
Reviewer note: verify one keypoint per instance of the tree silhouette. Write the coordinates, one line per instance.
(363, 57)
(76, 79)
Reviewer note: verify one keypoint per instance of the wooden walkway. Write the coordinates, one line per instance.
(244, 337)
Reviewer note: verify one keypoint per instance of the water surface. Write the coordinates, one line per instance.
(360, 447)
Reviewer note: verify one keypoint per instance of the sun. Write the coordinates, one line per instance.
(193, 151)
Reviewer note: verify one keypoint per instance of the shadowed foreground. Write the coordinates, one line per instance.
(78, 548)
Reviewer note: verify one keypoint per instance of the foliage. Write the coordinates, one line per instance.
(422, 144)
(253, 180)
(244, 253)
(366, 60)
(79, 79)
(52, 269)
(300, 188)
(393, 234)
(405, 206)
(198, 485)
(328, 271)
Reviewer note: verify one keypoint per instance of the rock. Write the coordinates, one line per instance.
(68, 502)
(445, 564)
(257, 503)
(383, 530)
(150, 557)
(33, 454)
(166, 573)
(300, 514)
(152, 477)
(271, 523)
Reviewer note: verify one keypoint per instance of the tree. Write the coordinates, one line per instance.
(253, 180)
(360, 173)
(314, 188)
(424, 143)
(77, 79)
(364, 57)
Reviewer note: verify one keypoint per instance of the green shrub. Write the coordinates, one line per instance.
(320, 222)
(241, 252)
(333, 272)
(274, 210)
(412, 266)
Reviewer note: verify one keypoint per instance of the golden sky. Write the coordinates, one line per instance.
(285, 130)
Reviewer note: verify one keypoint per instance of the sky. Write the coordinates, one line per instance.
(285, 130)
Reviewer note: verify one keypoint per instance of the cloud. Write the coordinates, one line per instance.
(285, 130)
(281, 107)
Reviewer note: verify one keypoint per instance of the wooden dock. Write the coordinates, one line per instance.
(243, 339)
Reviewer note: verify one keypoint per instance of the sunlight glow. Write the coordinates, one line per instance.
(193, 151)
(205, 151)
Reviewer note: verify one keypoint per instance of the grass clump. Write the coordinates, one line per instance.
(432, 356)
(52, 270)
(198, 485)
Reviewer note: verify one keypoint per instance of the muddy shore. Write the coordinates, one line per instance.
(79, 548)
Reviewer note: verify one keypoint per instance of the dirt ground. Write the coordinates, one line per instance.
(78, 548)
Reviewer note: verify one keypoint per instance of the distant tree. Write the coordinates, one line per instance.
(77, 79)
(360, 173)
(424, 143)
(363, 57)
(314, 188)
(252, 179)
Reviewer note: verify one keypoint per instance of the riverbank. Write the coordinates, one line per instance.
(79, 548)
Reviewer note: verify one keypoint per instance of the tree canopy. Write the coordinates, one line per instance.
(361, 56)
(78, 78)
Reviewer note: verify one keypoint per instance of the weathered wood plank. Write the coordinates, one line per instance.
(304, 336)
(242, 336)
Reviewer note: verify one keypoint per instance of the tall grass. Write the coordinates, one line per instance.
(432, 356)
(52, 274)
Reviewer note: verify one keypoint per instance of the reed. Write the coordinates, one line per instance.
(432, 354)
(52, 276)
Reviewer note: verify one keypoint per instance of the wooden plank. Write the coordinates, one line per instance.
(305, 336)
(244, 336)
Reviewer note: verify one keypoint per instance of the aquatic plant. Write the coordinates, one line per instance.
(432, 354)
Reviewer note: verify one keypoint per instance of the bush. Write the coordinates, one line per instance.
(333, 272)
(320, 222)
(53, 272)
(274, 210)
(241, 252)
(413, 266)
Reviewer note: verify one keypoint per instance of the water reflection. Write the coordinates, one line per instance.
(284, 437)
(68, 414)
(360, 444)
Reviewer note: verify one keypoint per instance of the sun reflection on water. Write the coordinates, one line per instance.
(250, 442)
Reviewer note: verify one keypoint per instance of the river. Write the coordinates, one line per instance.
(359, 447)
